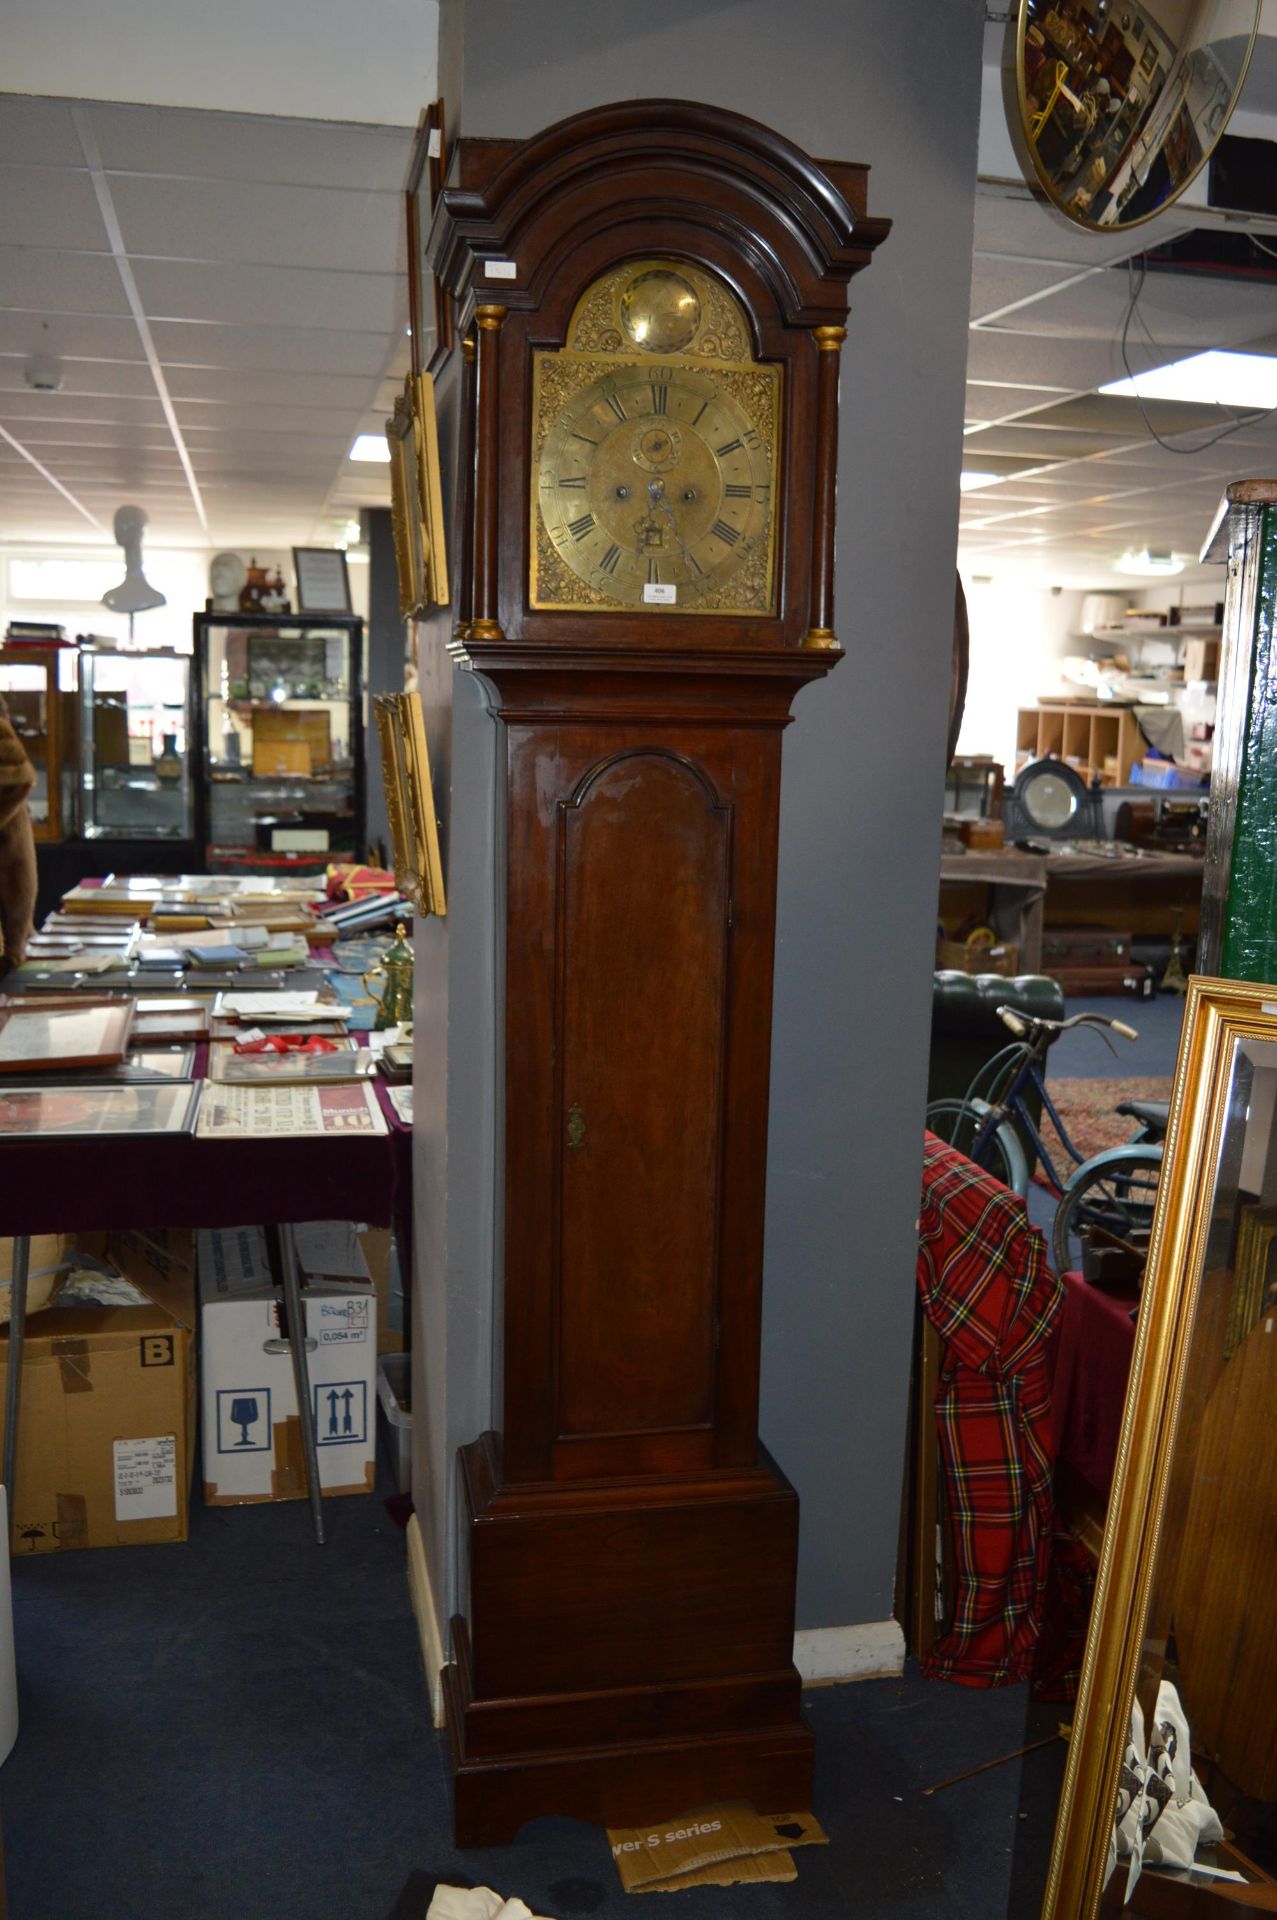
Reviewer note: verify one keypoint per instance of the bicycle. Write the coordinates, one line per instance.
(1112, 1193)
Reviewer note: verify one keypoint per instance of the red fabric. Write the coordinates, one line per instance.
(985, 1286)
(1092, 1362)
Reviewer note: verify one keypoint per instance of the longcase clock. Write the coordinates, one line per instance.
(652, 299)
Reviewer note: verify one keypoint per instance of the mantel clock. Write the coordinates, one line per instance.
(651, 298)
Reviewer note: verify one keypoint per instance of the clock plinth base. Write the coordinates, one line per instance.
(628, 1650)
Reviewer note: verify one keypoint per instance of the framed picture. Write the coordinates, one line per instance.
(403, 437)
(28, 1113)
(429, 302)
(431, 481)
(1137, 29)
(410, 807)
(1148, 59)
(141, 1066)
(90, 1032)
(290, 1069)
(186, 1022)
(323, 585)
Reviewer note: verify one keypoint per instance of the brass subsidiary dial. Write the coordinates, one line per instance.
(654, 457)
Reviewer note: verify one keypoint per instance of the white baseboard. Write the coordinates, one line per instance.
(427, 1617)
(870, 1651)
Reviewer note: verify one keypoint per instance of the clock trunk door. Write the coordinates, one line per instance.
(644, 868)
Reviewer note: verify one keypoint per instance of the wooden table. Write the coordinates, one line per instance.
(1140, 892)
(1016, 885)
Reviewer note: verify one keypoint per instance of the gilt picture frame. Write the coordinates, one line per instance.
(1158, 1615)
(429, 302)
(410, 807)
(403, 437)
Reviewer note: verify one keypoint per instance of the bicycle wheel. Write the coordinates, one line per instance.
(957, 1124)
(1115, 1191)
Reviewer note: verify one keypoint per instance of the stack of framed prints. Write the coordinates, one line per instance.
(410, 804)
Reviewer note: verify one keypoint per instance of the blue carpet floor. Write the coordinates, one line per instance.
(237, 1729)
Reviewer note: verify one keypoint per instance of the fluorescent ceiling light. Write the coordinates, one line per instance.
(1215, 379)
(971, 481)
(370, 446)
(1147, 563)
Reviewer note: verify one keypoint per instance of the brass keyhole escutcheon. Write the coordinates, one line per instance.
(576, 1129)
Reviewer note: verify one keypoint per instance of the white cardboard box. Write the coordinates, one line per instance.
(251, 1432)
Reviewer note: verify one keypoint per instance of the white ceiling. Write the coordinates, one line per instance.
(227, 296)
(1047, 314)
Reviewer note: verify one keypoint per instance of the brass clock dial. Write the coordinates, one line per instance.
(654, 468)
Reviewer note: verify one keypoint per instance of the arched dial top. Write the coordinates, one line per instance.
(655, 444)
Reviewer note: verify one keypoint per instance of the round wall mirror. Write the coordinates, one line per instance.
(1115, 105)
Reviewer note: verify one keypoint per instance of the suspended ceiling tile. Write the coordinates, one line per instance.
(1030, 228)
(82, 379)
(26, 413)
(253, 422)
(358, 231)
(33, 128)
(271, 296)
(1031, 440)
(251, 147)
(999, 284)
(1077, 365)
(49, 207)
(45, 281)
(201, 391)
(272, 349)
(1193, 313)
(994, 403)
(71, 336)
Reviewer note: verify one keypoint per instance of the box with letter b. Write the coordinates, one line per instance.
(252, 1434)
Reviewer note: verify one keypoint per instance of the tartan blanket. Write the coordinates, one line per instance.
(985, 1286)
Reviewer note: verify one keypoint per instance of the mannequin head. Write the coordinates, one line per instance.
(226, 576)
(135, 594)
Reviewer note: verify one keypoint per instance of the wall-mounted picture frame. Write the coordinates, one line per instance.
(429, 302)
(410, 807)
(323, 583)
(1185, 1610)
(416, 498)
(1148, 59)
(403, 438)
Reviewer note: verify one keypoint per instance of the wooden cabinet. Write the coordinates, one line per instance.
(1100, 741)
(43, 712)
(625, 1644)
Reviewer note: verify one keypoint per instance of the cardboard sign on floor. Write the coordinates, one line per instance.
(722, 1846)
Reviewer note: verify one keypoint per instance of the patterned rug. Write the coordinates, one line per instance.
(1087, 1110)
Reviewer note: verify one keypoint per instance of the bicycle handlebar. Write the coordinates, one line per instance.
(1021, 1024)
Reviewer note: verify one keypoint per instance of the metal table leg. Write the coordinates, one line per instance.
(301, 1374)
(13, 1385)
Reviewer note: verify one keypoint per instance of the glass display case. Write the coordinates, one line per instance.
(282, 716)
(135, 735)
(37, 684)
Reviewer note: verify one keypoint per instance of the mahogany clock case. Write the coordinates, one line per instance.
(625, 1644)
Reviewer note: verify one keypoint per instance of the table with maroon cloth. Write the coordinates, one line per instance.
(65, 1184)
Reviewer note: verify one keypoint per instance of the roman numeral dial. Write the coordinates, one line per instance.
(653, 484)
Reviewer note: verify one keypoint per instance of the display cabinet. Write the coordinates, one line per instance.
(135, 734)
(280, 740)
(37, 684)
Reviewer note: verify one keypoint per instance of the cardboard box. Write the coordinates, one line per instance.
(45, 1259)
(107, 1427)
(251, 1433)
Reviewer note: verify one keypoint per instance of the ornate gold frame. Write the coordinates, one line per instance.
(410, 806)
(1217, 1013)
(416, 498)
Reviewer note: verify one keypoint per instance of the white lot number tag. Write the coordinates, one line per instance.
(146, 1478)
(659, 594)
